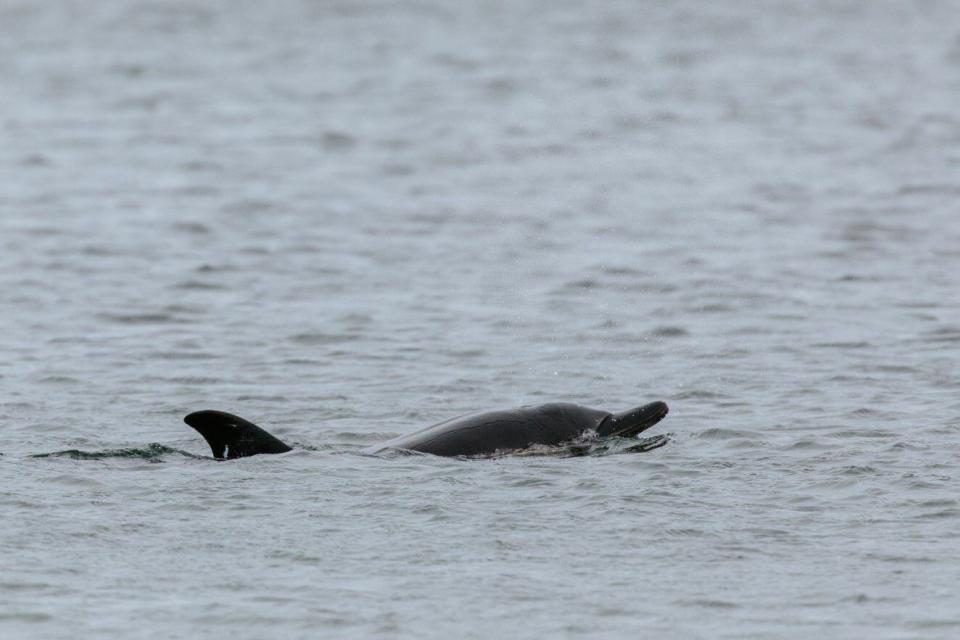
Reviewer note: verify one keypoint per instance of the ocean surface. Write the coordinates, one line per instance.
(348, 220)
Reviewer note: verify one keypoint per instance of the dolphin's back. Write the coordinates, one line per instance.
(485, 433)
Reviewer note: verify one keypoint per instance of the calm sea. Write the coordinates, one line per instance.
(349, 220)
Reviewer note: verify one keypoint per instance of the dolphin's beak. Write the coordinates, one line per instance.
(629, 423)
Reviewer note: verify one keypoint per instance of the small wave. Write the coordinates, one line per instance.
(805, 443)
(153, 452)
(858, 470)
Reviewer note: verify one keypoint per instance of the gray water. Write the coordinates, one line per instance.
(346, 221)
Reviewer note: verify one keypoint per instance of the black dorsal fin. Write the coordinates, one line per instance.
(231, 436)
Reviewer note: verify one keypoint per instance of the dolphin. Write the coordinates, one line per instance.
(471, 435)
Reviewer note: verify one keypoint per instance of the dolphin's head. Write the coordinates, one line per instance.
(629, 423)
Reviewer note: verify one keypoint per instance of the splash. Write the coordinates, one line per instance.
(595, 447)
(153, 452)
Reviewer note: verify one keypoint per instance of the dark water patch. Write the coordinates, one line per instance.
(945, 189)
(843, 377)
(718, 433)
(397, 169)
(770, 532)
(140, 318)
(17, 404)
(249, 205)
(668, 332)
(305, 362)
(43, 232)
(214, 268)
(940, 514)
(458, 62)
(28, 586)
(26, 616)
(197, 191)
(935, 624)
(624, 271)
(182, 355)
(179, 307)
(337, 141)
(35, 160)
(863, 598)
(943, 502)
(255, 250)
(254, 397)
(863, 433)
(465, 353)
(583, 284)
(745, 444)
(684, 532)
(321, 338)
(711, 308)
(895, 368)
(193, 380)
(57, 380)
(195, 228)
(942, 334)
(851, 277)
(754, 330)
(153, 452)
(99, 251)
(920, 485)
(854, 344)
(906, 446)
(198, 285)
(699, 394)
(356, 318)
(708, 604)
(608, 323)
(295, 556)
(648, 288)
